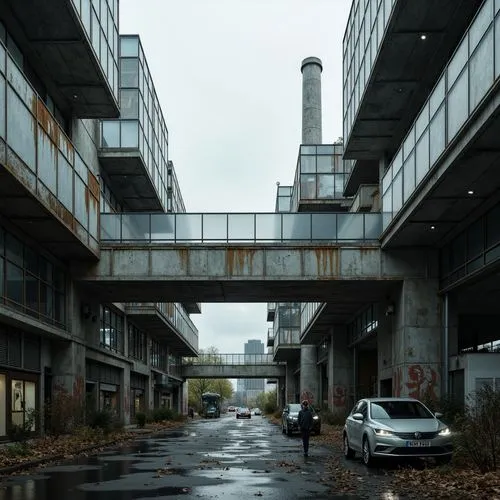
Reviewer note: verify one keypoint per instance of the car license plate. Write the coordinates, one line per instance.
(417, 444)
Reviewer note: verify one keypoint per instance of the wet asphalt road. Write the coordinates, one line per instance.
(208, 459)
(217, 459)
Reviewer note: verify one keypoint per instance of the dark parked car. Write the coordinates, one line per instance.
(289, 419)
(243, 413)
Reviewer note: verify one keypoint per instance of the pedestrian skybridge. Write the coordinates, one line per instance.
(232, 366)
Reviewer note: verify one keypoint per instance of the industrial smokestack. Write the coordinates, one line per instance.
(311, 100)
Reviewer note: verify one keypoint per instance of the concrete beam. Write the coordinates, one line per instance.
(218, 273)
(233, 371)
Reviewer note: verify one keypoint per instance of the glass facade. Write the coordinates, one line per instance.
(470, 74)
(363, 324)
(53, 168)
(233, 227)
(286, 326)
(137, 343)
(284, 199)
(180, 320)
(308, 312)
(141, 126)
(30, 283)
(472, 249)
(364, 34)
(175, 203)
(109, 203)
(158, 356)
(112, 329)
(321, 174)
(100, 22)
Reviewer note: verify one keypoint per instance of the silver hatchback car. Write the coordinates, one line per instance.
(395, 427)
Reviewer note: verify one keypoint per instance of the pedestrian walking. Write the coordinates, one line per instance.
(305, 425)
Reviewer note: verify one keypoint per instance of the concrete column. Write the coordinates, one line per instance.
(309, 374)
(68, 369)
(184, 403)
(340, 376)
(150, 392)
(290, 384)
(417, 340)
(384, 346)
(125, 394)
(311, 100)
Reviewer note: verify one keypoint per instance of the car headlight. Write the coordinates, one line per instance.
(315, 417)
(445, 432)
(293, 419)
(382, 432)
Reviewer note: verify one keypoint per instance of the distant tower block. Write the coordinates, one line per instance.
(311, 100)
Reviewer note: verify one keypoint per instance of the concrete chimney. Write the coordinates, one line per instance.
(311, 100)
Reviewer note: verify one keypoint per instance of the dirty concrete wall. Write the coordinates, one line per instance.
(309, 377)
(417, 340)
(340, 371)
(85, 138)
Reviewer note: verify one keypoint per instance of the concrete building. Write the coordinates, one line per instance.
(421, 99)
(253, 386)
(65, 156)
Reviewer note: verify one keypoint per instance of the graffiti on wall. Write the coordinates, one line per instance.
(422, 382)
(308, 396)
(339, 396)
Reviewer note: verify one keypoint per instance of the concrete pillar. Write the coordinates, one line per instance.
(340, 374)
(185, 393)
(125, 394)
(417, 340)
(385, 356)
(309, 374)
(290, 384)
(311, 68)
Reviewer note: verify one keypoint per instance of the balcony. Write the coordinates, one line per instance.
(320, 178)
(286, 332)
(73, 47)
(168, 322)
(394, 52)
(271, 309)
(270, 337)
(252, 228)
(45, 187)
(134, 149)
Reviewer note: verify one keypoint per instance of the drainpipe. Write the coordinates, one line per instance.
(445, 341)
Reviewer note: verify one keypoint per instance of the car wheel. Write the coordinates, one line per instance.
(368, 460)
(349, 453)
(443, 460)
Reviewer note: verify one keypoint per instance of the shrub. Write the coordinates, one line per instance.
(451, 409)
(102, 420)
(270, 407)
(478, 437)
(140, 419)
(277, 414)
(160, 414)
(20, 433)
(63, 412)
(17, 450)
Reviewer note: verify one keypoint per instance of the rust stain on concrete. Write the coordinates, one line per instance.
(327, 262)
(183, 258)
(239, 259)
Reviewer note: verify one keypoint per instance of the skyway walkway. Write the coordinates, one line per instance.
(232, 366)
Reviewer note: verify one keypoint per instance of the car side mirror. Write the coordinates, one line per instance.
(358, 416)
(438, 415)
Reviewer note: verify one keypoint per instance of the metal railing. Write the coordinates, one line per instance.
(230, 359)
(239, 227)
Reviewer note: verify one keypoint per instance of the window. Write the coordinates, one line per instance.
(137, 343)
(111, 335)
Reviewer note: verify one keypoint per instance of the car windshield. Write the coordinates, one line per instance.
(399, 410)
(295, 407)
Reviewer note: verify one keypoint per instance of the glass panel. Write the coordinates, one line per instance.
(480, 24)
(326, 186)
(214, 227)
(110, 227)
(20, 129)
(437, 135)
(397, 192)
(325, 163)
(65, 183)
(387, 208)
(409, 177)
(135, 227)
(422, 158)
(2, 104)
(481, 67)
(308, 187)
(458, 108)
(308, 164)
(32, 292)
(422, 121)
(47, 166)
(297, 227)
(129, 46)
(30, 400)
(458, 62)
(111, 134)
(14, 249)
(409, 143)
(14, 283)
(497, 44)
(17, 407)
(129, 73)
(46, 300)
(188, 227)
(162, 227)
(80, 203)
(129, 103)
(349, 226)
(437, 96)
(130, 134)
(324, 227)
(268, 227)
(241, 227)
(373, 226)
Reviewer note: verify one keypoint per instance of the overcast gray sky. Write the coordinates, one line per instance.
(227, 74)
